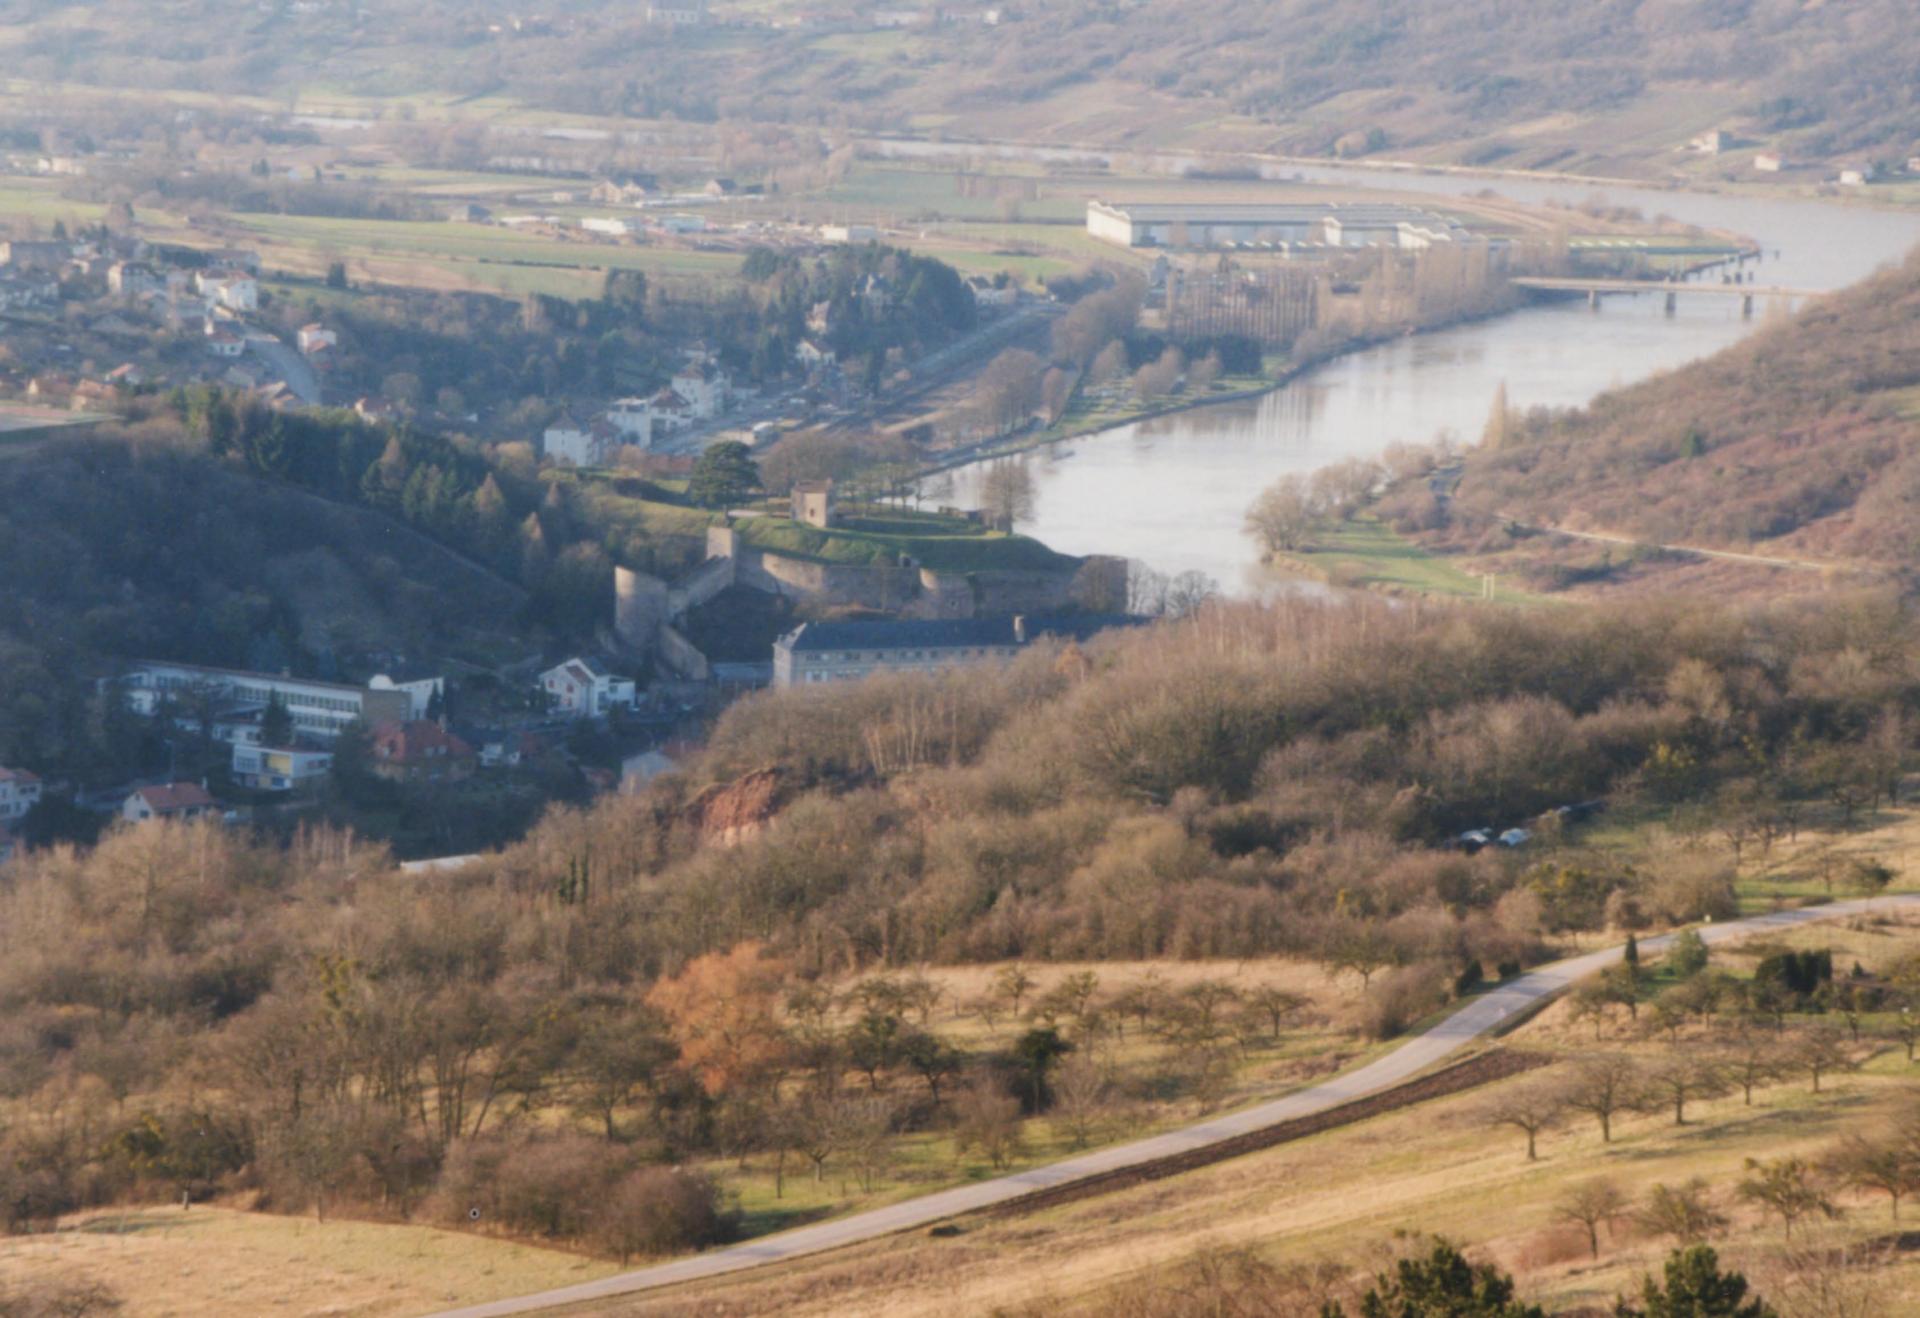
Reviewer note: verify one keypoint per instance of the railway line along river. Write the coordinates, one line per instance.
(1171, 491)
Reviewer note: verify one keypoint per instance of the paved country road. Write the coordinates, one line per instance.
(1481, 1016)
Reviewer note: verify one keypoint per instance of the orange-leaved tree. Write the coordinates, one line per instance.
(723, 1012)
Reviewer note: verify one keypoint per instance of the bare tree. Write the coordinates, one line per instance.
(1684, 1076)
(1685, 1212)
(1006, 492)
(1080, 1093)
(1787, 1187)
(1603, 1086)
(1591, 1205)
(1531, 1108)
(1283, 515)
(1889, 1166)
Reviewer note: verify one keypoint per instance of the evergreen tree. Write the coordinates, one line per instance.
(1499, 429)
(1441, 1285)
(1696, 1288)
(724, 475)
(276, 723)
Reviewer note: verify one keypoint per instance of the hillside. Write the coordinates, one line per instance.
(116, 548)
(1802, 443)
(1603, 88)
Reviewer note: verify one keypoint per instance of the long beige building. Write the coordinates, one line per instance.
(1190, 225)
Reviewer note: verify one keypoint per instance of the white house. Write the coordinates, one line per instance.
(592, 445)
(812, 355)
(1767, 162)
(987, 293)
(848, 233)
(19, 793)
(583, 688)
(224, 342)
(168, 801)
(612, 226)
(230, 289)
(703, 386)
(633, 418)
(273, 769)
(316, 338)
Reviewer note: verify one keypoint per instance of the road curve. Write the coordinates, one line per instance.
(1481, 1016)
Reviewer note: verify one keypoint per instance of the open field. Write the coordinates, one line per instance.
(1366, 552)
(943, 544)
(211, 1262)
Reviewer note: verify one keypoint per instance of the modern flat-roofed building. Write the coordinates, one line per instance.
(1237, 224)
(819, 652)
(317, 709)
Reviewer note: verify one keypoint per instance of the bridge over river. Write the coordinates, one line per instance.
(1594, 288)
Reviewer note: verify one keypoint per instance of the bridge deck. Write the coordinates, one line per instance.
(1558, 285)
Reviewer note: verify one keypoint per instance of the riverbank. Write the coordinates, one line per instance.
(1364, 553)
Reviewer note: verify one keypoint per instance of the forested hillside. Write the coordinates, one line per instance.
(1801, 441)
(1566, 84)
(117, 548)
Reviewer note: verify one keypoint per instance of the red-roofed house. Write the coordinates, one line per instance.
(420, 750)
(19, 793)
(168, 801)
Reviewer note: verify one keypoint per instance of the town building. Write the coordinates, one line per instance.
(280, 768)
(703, 386)
(233, 289)
(591, 445)
(813, 503)
(43, 257)
(1710, 143)
(19, 793)
(420, 750)
(989, 293)
(612, 226)
(168, 801)
(421, 690)
(236, 699)
(224, 342)
(1767, 163)
(848, 233)
(680, 13)
(583, 688)
(1239, 224)
(316, 338)
(819, 652)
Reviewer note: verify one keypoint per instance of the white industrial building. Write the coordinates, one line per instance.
(1242, 224)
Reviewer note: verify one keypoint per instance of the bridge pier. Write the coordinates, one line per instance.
(1593, 299)
(1673, 301)
(1746, 307)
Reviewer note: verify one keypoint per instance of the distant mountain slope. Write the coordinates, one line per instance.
(1803, 441)
(1562, 83)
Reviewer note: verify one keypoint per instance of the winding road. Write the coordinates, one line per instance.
(1484, 1015)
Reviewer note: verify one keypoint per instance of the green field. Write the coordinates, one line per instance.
(1366, 552)
(943, 544)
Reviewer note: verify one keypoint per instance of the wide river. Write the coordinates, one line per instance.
(1172, 491)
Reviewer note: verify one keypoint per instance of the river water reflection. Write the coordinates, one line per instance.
(1172, 491)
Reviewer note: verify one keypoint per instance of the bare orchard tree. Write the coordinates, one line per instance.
(1685, 1212)
(1604, 1085)
(1530, 1108)
(1591, 1205)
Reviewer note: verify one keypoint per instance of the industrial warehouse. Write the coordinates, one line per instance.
(1271, 226)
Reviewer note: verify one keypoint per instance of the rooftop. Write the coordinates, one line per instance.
(1246, 212)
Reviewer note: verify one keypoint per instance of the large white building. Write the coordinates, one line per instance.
(235, 699)
(1241, 224)
(818, 652)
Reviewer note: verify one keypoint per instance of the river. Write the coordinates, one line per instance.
(1171, 491)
